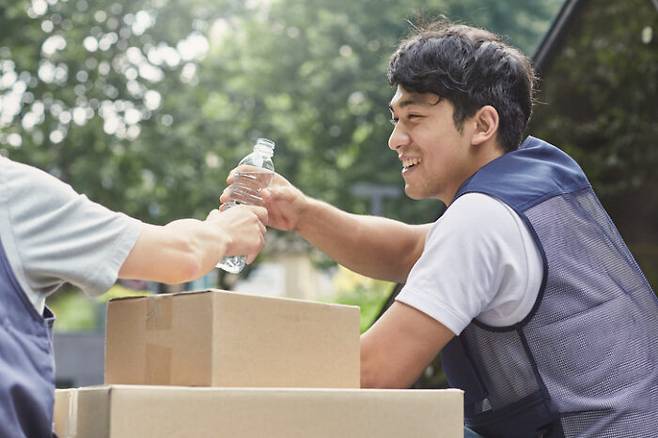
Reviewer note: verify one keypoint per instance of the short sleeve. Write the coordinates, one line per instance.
(54, 235)
(475, 262)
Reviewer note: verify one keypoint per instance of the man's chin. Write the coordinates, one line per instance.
(413, 194)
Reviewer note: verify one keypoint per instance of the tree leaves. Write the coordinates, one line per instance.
(146, 105)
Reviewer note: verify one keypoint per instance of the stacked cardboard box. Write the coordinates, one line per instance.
(218, 363)
(133, 411)
(226, 339)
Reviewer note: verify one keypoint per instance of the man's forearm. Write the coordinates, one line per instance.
(373, 246)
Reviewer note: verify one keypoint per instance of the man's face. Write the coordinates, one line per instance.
(436, 157)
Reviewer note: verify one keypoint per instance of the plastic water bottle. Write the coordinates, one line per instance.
(254, 174)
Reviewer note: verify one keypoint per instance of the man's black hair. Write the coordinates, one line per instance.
(471, 68)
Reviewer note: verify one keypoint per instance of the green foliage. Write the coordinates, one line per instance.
(311, 74)
(370, 295)
(74, 311)
(113, 99)
(118, 291)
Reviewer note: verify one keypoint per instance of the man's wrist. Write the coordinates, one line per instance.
(306, 216)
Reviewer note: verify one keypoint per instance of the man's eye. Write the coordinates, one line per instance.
(414, 116)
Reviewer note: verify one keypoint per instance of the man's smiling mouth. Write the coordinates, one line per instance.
(408, 163)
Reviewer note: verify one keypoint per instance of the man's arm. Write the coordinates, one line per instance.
(186, 249)
(399, 346)
(373, 246)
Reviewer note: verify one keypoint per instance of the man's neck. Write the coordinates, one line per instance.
(482, 155)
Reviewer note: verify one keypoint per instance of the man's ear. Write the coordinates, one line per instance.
(486, 125)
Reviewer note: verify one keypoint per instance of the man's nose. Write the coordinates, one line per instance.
(399, 137)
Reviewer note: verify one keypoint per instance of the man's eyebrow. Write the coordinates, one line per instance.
(414, 100)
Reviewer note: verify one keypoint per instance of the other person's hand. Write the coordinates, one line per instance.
(244, 225)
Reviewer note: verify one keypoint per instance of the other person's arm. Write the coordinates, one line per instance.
(186, 249)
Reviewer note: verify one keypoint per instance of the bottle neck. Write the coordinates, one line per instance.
(264, 147)
(265, 151)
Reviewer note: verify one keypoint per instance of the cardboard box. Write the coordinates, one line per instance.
(120, 411)
(219, 338)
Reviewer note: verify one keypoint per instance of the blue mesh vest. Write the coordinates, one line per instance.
(584, 362)
(26, 362)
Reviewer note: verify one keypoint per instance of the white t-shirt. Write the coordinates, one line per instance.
(479, 261)
(52, 235)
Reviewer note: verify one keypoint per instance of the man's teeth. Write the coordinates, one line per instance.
(409, 162)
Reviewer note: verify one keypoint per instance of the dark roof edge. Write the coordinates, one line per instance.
(547, 46)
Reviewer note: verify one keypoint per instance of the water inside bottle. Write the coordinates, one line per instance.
(245, 189)
(248, 184)
(233, 264)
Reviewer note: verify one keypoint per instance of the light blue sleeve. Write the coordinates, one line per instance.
(54, 235)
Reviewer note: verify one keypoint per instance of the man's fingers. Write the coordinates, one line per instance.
(260, 212)
(235, 171)
(225, 196)
(232, 174)
(251, 257)
(266, 195)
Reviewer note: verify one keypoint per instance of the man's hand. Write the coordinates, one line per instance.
(285, 203)
(352, 240)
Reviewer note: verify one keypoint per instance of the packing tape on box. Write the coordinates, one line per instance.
(71, 426)
(159, 318)
(158, 313)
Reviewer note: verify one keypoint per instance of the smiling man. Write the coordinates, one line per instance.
(524, 285)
